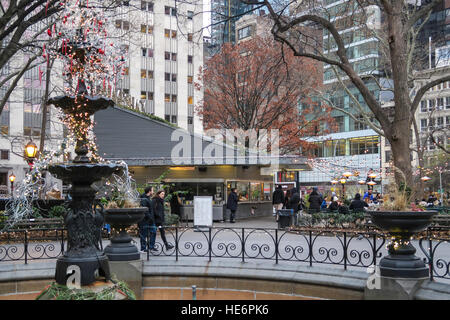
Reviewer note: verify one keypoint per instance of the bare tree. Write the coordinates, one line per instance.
(402, 20)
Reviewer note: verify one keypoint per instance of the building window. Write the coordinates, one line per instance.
(340, 123)
(190, 59)
(447, 102)
(4, 154)
(143, 95)
(440, 122)
(387, 156)
(190, 120)
(190, 100)
(364, 145)
(147, 6)
(167, 76)
(167, 117)
(190, 15)
(170, 11)
(143, 74)
(423, 124)
(4, 120)
(150, 74)
(423, 106)
(431, 104)
(174, 77)
(146, 29)
(190, 37)
(174, 119)
(122, 24)
(244, 32)
(167, 97)
(190, 79)
(440, 103)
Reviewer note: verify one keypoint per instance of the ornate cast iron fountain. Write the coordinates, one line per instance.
(84, 223)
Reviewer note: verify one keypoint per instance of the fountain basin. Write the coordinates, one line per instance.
(121, 247)
(402, 263)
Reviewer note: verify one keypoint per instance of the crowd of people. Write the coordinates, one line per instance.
(316, 202)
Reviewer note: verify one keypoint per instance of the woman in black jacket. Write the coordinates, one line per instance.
(158, 212)
(315, 201)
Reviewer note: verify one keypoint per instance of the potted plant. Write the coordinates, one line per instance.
(401, 220)
(120, 205)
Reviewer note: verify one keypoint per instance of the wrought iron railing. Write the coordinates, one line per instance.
(310, 247)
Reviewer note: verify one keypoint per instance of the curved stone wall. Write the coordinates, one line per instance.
(165, 278)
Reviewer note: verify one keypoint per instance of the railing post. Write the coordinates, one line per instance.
(430, 263)
(25, 247)
(345, 251)
(209, 243)
(62, 240)
(148, 240)
(243, 245)
(276, 246)
(176, 243)
(310, 248)
(374, 261)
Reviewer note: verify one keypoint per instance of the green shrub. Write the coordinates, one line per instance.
(56, 212)
(171, 219)
(3, 218)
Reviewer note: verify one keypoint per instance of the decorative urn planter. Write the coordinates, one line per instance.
(121, 248)
(401, 225)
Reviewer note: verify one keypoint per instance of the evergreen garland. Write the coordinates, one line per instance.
(55, 291)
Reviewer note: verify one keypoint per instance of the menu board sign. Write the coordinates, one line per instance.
(203, 211)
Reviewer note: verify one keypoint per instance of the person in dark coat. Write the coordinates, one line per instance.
(147, 224)
(294, 201)
(232, 204)
(158, 211)
(334, 205)
(287, 197)
(315, 201)
(278, 198)
(357, 204)
(175, 204)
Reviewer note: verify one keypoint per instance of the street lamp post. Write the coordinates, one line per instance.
(12, 178)
(30, 153)
(343, 181)
(371, 183)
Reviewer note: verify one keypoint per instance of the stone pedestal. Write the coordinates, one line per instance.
(130, 272)
(385, 288)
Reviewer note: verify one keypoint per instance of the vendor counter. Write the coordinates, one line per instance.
(245, 210)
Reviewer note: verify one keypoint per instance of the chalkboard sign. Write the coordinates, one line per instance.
(203, 211)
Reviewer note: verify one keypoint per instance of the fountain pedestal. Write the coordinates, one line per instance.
(84, 223)
(402, 263)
